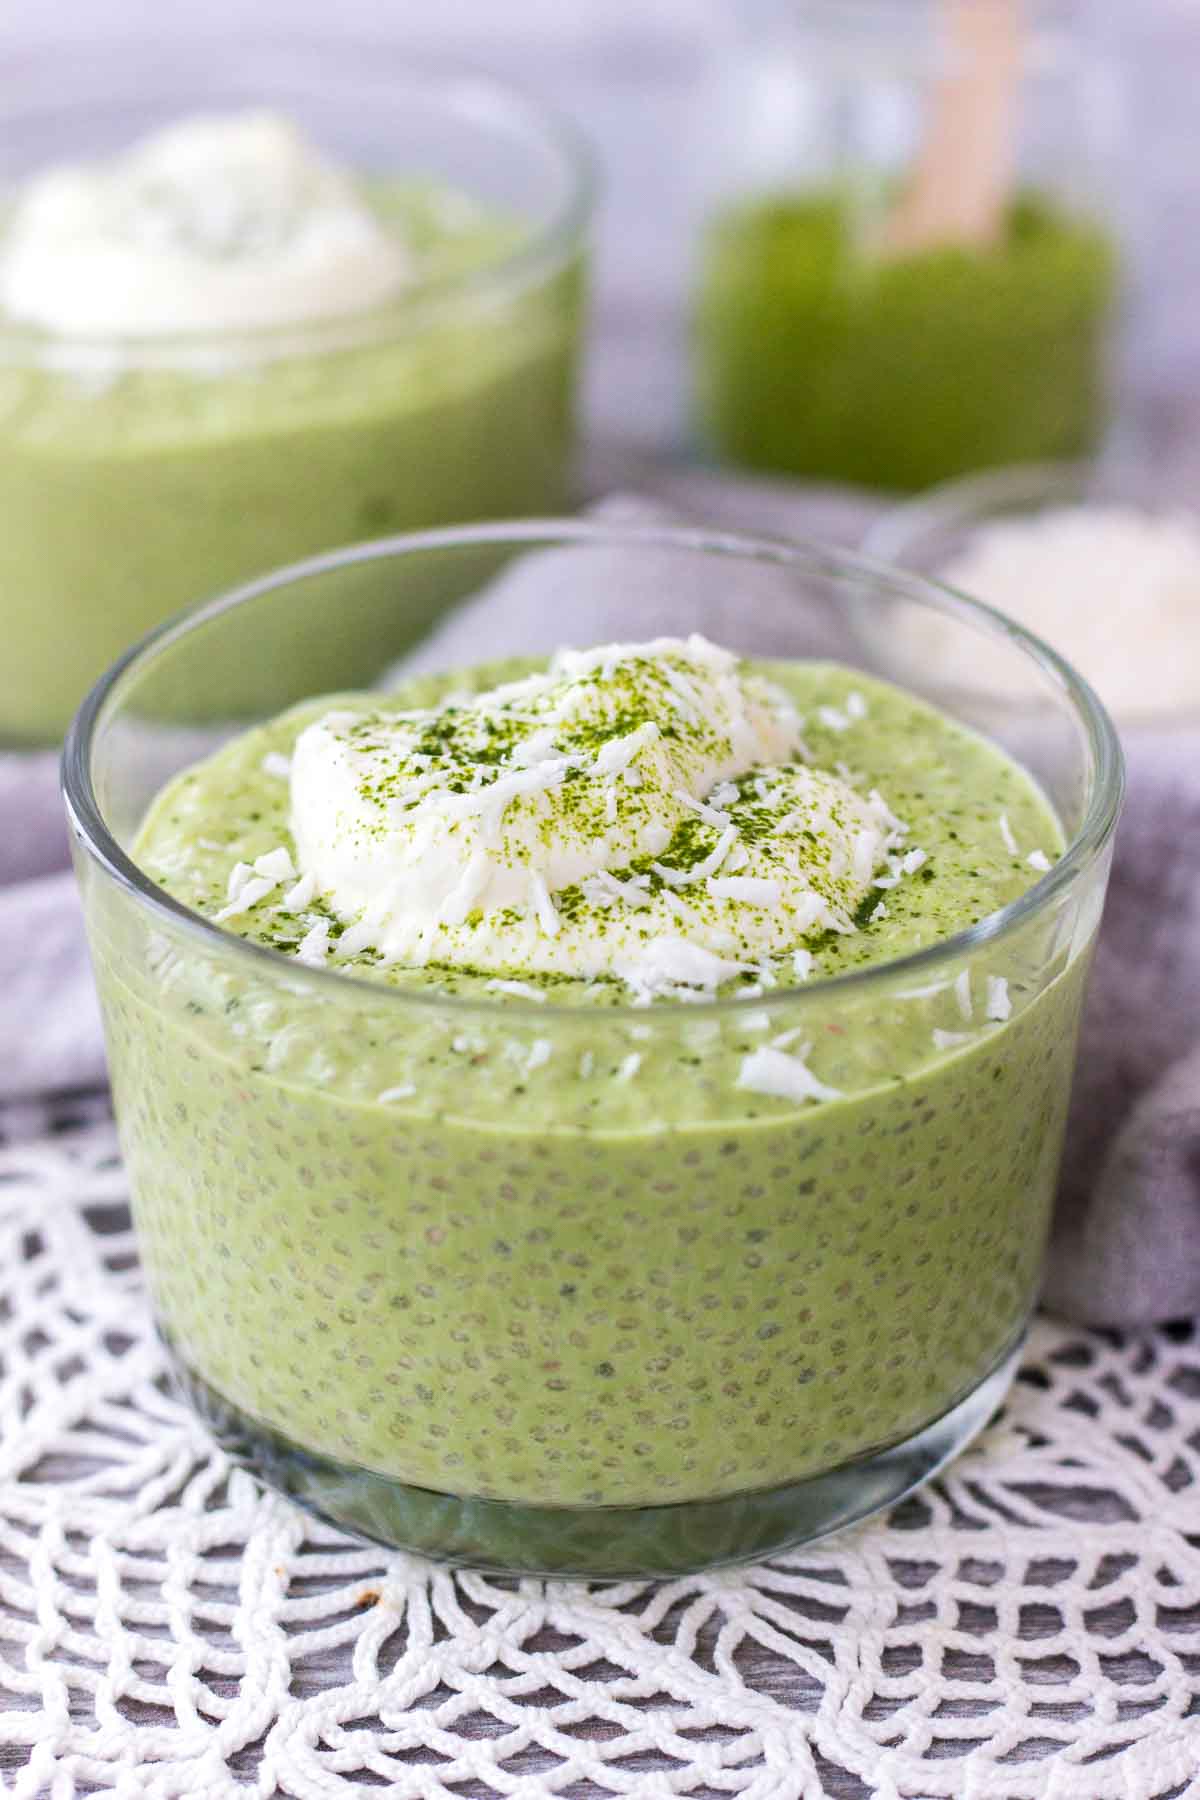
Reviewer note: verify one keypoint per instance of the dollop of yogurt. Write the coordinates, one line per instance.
(639, 811)
(218, 223)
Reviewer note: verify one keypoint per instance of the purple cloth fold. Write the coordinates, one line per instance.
(50, 1038)
(1126, 1246)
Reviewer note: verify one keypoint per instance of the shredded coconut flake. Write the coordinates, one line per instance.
(665, 963)
(249, 894)
(538, 747)
(712, 815)
(784, 1077)
(544, 908)
(314, 946)
(403, 1091)
(999, 1005)
(922, 993)
(524, 989)
(865, 854)
(276, 866)
(702, 870)
(753, 890)
(302, 895)
(239, 875)
(615, 757)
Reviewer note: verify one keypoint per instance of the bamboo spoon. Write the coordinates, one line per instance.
(961, 185)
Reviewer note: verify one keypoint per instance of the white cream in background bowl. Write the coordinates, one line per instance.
(1103, 568)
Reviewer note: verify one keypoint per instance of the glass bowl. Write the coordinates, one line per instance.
(930, 532)
(436, 1266)
(139, 475)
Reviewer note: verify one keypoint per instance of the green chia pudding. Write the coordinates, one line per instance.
(815, 358)
(142, 468)
(614, 1213)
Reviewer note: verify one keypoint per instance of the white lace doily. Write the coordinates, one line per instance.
(1028, 1627)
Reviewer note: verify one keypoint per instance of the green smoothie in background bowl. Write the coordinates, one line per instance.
(267, 310)
(594, 1114)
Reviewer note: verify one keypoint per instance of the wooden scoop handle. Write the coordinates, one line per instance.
(961, 185)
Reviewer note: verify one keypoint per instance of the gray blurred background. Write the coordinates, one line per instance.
(632, 73)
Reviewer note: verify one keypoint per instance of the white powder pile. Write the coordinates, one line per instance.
(1114, 589)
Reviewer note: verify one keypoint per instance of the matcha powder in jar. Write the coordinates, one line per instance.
(909, 267)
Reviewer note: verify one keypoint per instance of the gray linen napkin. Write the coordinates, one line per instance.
(1126, 1247)
(49, 1021)
(1127, 1235)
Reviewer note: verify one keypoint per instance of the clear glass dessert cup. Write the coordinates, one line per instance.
(142, 474)
(536, 1287)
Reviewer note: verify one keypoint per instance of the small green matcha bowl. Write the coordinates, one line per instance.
(139, 474)
(541, 1287)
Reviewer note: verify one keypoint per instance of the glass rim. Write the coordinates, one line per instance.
(52, 84)
(966, 500)
(1095, 829)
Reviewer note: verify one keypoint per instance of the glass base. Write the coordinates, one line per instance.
(595, 1543)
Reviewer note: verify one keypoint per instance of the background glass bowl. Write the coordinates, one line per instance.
(818, 351)
(138, 475)
(931, 531)
(573, 1323)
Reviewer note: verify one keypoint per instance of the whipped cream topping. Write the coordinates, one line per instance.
(639, 811)
(219, 223)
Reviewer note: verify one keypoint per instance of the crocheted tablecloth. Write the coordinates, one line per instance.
(1029, 1626)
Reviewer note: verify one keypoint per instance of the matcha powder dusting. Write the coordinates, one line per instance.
(645, 812)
